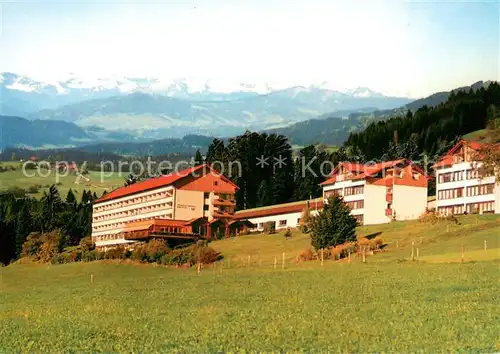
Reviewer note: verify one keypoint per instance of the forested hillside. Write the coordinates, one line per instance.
(429, 129)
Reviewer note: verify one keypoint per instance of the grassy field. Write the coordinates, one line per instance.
(389, 303)
(97, 184)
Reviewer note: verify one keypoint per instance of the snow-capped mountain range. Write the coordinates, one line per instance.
(160, 108)
(176, 87)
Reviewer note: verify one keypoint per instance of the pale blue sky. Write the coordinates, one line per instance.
(411, 48)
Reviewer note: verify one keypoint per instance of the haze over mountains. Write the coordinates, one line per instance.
(148, 108)
(76, 112)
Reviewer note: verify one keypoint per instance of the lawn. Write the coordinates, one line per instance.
(97, 184)
(244, 304)
(372, 307)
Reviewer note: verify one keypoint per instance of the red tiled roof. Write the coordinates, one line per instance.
(364, 171)
(279, 209)
(158, 182)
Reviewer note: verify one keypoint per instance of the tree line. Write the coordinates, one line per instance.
(21, 215)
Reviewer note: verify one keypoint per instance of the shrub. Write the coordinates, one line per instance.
(33, 189)
(61, 258)
(115, 253)
(42, 247)
(205, 255)
(86, 244)
(32, 245)
(288, 234)
(307, 255)
(270, 227)
(16, 191)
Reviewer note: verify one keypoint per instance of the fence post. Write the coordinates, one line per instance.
(417, 253)
(322, 257)
(283, 261)
(91, 278)
(364, 254)
(349, 257)
(397, 243)
(462, 253)
(249, 260)
(412, 250)
(485, 245)
(275, 262)
(198, 268)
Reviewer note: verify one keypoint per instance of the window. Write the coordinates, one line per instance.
(451, 193)
(357, 204)
(359, 219)
(205, 207)
(333, 192)
(216, 183)
(481, 190)
(282, 223)
(206, 195)
(354, 190)
(260, 225)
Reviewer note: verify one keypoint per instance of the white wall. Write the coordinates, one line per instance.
(291, 219)
(497, 198)
(409, 202)
(375, 205)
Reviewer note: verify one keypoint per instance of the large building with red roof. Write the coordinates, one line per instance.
(459, 186)
(197, 201)
(379, 193)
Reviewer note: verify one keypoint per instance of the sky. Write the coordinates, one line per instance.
(398, 47)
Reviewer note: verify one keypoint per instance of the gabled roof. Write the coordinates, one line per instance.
(361, 171)
(277, 209)
(158, 182)
(449, 158)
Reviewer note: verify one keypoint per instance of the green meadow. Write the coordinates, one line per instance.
(436, 303)
(97, 183)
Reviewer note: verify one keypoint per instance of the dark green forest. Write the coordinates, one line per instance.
(21, 215)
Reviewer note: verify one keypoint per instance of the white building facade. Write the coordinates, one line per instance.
(377, 194)
(459, 187)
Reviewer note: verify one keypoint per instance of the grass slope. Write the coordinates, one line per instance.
(98, 184)
(386, 304)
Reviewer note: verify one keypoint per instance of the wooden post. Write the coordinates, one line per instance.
(198, 268)
(417, 253)
(91, 278)
(249, 260)
(462, 253)
(322, 257)
(275, 262)
(349, 257)
(397, 243)
(412, 250)
(364, 254)
(485, 245)
(283, 261)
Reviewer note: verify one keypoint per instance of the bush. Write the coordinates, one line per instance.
(115, 253)
(86, 244)
(16, 191)
(61, 258)
(270, 227)
(42, 247)
(90, 256)
(33, 189)
(205, 255)
(307, 255)
(288, 234)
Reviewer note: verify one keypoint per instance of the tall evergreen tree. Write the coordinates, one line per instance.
(334, 225)
(198, 159)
